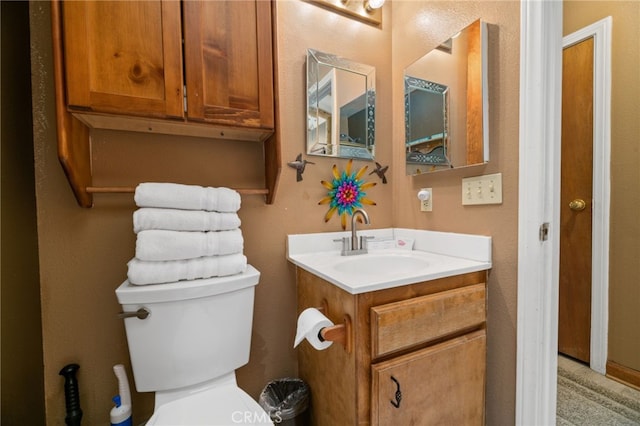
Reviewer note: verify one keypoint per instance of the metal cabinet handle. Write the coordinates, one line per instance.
(141, 313)
(396, 403)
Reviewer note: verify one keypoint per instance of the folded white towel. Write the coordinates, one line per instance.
(187, 197)
(141, 272)
(183, 220)
(158, 245)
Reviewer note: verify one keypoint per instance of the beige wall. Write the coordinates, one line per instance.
(624, 252)
(83, 252)
(418, 27)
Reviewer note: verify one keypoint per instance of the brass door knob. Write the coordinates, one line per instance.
(577, 205)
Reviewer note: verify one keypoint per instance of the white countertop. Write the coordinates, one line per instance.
(387, 265)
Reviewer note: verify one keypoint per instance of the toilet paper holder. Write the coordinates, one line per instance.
(339, 333)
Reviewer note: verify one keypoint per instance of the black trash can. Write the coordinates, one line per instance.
(286, 400)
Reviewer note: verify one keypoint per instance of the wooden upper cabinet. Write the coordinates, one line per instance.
(124, 57)
(124, 65)
(229, 62)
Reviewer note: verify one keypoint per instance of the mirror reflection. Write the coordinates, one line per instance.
(446, 104)
(340, 107)
(426, 137)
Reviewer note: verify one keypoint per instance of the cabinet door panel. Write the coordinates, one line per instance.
(229, 62)
(124, 57)
(439, 385)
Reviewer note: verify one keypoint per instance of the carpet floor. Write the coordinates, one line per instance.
(586, 398)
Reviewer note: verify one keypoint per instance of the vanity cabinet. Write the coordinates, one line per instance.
(440, 385)
(418, 353)
(192, 68)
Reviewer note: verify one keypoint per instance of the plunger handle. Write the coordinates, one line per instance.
(71, 395)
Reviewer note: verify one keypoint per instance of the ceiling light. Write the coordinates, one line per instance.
(371, 5)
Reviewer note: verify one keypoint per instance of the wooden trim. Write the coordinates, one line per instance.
(172, 127)
(130, 189)
(265, 31)
(475, 91)
(272, 155)
(625, 375)
(191, 57)
(74, 144)
(172, 50)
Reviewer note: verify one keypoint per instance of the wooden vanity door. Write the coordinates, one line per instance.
(439, 385)
(124, 57)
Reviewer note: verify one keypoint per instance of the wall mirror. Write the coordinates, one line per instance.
(341, 101)
(446, 104)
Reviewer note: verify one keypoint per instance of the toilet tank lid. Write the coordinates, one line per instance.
(128, 293)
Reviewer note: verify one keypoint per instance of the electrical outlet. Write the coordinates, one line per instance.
(485, 189)
(427, 205)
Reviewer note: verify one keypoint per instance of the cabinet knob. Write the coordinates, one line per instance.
(396, 403)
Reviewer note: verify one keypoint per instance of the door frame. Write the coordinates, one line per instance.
(539, 205)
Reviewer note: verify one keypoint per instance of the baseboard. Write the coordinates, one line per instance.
(625, 375)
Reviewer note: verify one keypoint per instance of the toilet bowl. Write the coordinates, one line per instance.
(186, 350)
(221, 403)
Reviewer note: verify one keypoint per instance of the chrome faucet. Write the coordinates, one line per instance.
(354, 245)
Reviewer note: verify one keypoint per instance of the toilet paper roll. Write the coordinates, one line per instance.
(310, 322)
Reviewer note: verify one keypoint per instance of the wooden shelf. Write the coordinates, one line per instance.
(131, 190)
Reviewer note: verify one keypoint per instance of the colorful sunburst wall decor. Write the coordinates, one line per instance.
(346, 193)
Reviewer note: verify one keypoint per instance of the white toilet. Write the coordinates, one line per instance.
(186, 350)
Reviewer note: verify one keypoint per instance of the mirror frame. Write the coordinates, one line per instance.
(315, 88)
(467, 139)
(438, 149)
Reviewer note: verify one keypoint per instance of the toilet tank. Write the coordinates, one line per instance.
(196, 331)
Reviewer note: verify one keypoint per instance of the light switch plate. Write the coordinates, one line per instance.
(485, 189)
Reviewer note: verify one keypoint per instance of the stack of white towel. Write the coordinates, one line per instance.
(185, 232)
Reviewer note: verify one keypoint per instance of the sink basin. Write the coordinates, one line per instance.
(383, 269)
(382, 264)
(434, 255)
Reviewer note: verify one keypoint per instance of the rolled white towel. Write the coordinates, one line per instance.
(156, 245)
(187, 197)
(183, 220)
(141, 272)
